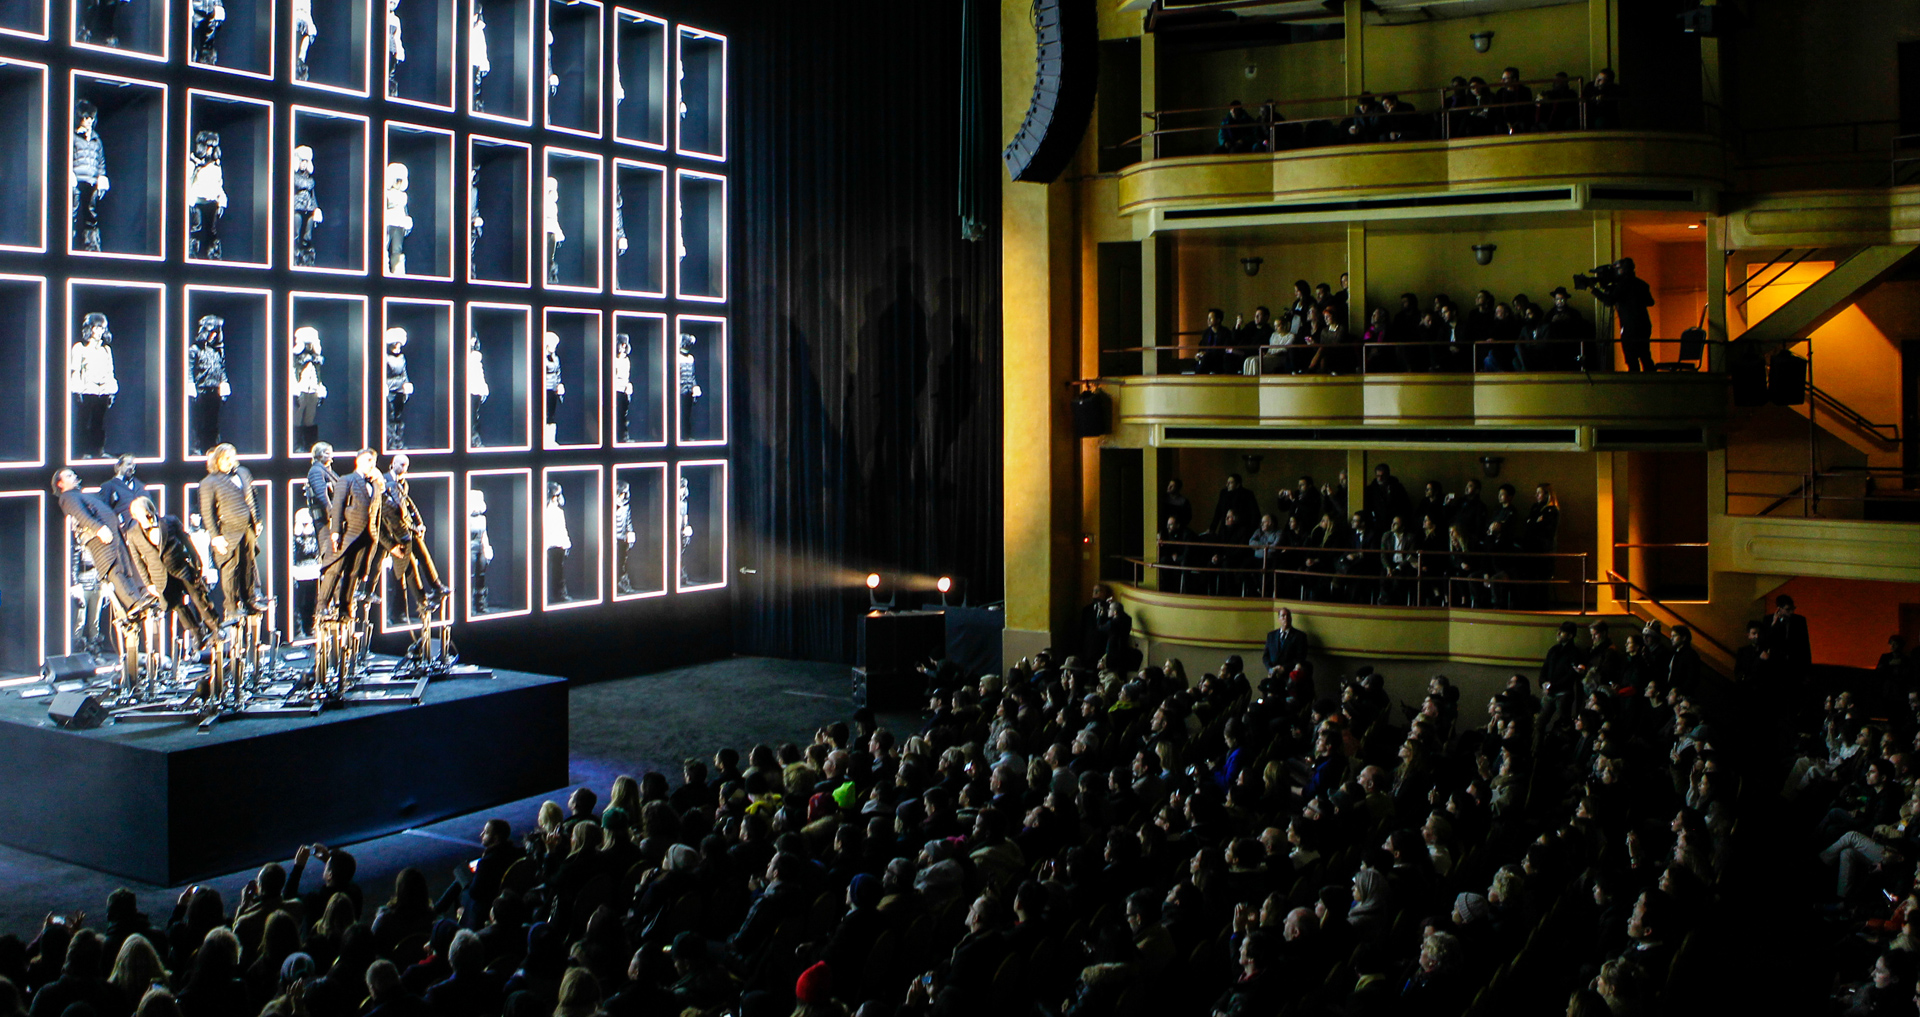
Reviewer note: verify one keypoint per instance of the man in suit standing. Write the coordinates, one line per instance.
(403, 534)
(320, 481)
(167, 565)
(352, 529)
(1786, 635)
(122, 488)
(233, 521)
(1286, 645)
(97, 529)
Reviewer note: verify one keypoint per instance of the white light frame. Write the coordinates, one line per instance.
(678, 255)
(366, 55)
(666, 75)
(453, 207)
(528, 568)
(597, 528)
(599, 346)
(166, 122)
(297, 500)
(456, 541)
(726, 380)
(601, 222)
(366, 369)
(39, 577)
(67, 341)
(40, 371)
(186, 174)
(46, 128)
(187, 328)
(366, 198)
(44, 35)
(525, 373)
(668, 379)
(668, 264)
(166, 35)
(272, 51)
(535, 211)
(456, 348)
(535, 73)
(726, 524)
(662, 526)
(600, 100)
(455, 65)
(681, 34)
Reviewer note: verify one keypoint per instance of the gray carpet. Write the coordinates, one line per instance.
(629, 725)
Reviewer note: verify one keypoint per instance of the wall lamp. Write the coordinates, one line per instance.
(1482, 41)
(1490, 465)
(1251, 460)
(1251, 265)
(1483, 253)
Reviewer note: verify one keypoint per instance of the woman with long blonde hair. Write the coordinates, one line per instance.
(138, 968)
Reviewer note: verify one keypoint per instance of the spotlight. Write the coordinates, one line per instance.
(873, 580)
(1483, 253)
(1482, 41)
(880, 594)
(944, 584)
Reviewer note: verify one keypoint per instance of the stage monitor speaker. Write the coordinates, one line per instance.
(76, 710)
(896, 641)
(72, 667)
(1092, 414)
(1786, 379)
(1066, 75)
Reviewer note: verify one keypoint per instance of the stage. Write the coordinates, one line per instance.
(165, 803)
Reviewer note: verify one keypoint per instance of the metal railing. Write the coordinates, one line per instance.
(1863, 484)
(1674, 617)
(1487, 356)
(1372, 575)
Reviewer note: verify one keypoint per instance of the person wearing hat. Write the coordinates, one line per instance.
(1568, 331)
(700, 984)
(858, 930)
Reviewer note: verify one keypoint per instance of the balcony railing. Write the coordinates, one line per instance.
(1866, 492)
(1485, 580)
(1500, 356)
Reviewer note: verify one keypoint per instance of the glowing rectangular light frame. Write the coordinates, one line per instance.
(365, 369)
(166, 122)
(366, 230)
(187, 328)
(297, 500)
(366, 55)
(680, 235)
(272, 51)
(726, 380)
(527, 569)
(535, 207)
(600, 56)
(534, 71)
(453, 208)
(597, 528)
(40, 371)
(668, 382)
(666, 266)
(454, 342)
(67, 340)
(681, 34)
(526, 418)
(600, 371)
(46, 26)
(456, 541)
(455, 65)
(660, 529)
(166, 35)
(679, 470)
(601, 220)
(46, 131)
(37, 579)
(666, 74)
(186, 220)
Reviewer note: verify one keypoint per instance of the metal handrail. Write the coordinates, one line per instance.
(1615, 577)
(1420, 574)
(1855, 417)
(1364, 353)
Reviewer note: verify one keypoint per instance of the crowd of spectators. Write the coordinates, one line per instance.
(1470, 107)
(1313, 336)
(1448, 549)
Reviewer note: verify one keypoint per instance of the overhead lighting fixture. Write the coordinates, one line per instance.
(1483, 253)
(1251, 265)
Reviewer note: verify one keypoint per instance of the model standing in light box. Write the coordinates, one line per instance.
(207, 373)
(306, 208)
(399, 388)
(555, 235)
(477, 390)
(91, 380)
(479, 548)
(208, 15)
(556, 389)
(477, 59)
(396, 48)
(206, 197)
(304, 32)
(622, 388)
(553, 529)
(90, 182)
(308, 390)
(688, 368)
(398, 222)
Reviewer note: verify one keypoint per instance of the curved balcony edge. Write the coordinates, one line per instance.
(1831, 218)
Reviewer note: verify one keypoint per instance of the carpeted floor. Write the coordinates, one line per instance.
(631, 725)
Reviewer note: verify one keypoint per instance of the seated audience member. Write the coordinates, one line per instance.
(1601, 97)
(1218, 354)
(1238, 131)
(1557, 106)
(1515, 98)
(1401, 120)
(1176, 553)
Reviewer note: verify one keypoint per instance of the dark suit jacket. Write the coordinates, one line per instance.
(119, 494)
(1285, 649)
(227, 505)
(350, 511)
(1788, 640)
(321, 481)
(781, 901)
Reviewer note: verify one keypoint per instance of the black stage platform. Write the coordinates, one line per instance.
(166, 803)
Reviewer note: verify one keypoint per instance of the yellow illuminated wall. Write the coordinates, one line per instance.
(1530, 261)
(1208, 271)
(1427, 53)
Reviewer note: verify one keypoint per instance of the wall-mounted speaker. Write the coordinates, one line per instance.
(1066, 75)
(1092, 414)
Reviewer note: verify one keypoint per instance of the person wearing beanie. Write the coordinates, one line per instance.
(859, 928)
(700, 983)
(815, 985)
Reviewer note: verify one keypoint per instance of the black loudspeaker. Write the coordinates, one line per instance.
(1092, 414)
(1749, 375)
(1064, 81)
(76, 710)
(1787, 379)
(892, 641)
(73, 666)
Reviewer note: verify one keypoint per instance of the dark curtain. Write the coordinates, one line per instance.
(867, 358)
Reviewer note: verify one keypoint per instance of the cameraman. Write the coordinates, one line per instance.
(1630, 297)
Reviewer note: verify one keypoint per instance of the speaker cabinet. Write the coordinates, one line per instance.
(1787, 379)
(1092, 414)
(76, 710)
(1064, 81)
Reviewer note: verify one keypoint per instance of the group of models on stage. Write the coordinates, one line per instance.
(149, 562)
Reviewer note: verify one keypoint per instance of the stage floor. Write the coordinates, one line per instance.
(165, 802)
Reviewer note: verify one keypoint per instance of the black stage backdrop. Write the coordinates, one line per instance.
(867, 364)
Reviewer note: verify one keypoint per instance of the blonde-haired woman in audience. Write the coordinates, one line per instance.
(138, 968)
(158, 1003)
(625, 800)
(550, 817)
